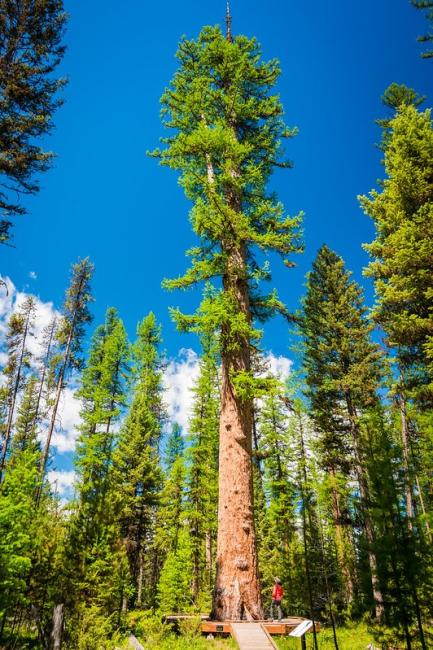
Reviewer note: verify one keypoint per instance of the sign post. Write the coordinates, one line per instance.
(300, 631)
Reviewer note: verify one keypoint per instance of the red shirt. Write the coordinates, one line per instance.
(277, 592)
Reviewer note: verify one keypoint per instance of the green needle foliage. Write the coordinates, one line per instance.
(226, 137)
(137, 475)
(30, 50)
(68, 338)
(342, 372)
(427, 7)
(202, 476)
(402, 252)
(92, 552)
(175, 446)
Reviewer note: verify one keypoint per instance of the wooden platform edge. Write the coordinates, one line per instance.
(278, 628)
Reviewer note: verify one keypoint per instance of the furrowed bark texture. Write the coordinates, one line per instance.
(237, 588)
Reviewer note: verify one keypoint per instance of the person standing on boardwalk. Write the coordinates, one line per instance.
(277, 596)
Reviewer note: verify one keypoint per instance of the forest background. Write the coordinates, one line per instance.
(105, 200)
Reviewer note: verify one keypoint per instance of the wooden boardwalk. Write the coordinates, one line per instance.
(252, 636)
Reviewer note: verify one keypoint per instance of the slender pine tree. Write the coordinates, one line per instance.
(69, 337)
(136, 476)
(202, 473)
(20, 329)
(343, 370)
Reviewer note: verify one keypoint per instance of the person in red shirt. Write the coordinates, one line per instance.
(277, 596)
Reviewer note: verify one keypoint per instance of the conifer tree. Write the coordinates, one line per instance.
(23, 529)
(202, 478)
(94, 561)
(174, 585)
(46, 374)
(103, 396)
(30, 50)
(175, 445)
(427, 6)
(226, 130)
(69, 336)
(401, 268)
(343, 369)
(173, 540)
(279, 544)
(26, 422)
(20, 329)
(403, 248)
(136, 471)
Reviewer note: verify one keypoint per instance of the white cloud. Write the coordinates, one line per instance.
(65, 436)
(279, 366)
(11, 299)
(33, 275)
(179, 378)
(62, 482)
(182, 373)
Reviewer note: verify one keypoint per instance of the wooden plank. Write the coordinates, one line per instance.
(252, 636)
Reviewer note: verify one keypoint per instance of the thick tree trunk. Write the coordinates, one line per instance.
(237, 589)
(57, 630)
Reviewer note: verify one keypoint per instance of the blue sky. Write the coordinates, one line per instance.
(106, 199)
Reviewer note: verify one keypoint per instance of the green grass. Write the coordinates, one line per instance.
(354, 637)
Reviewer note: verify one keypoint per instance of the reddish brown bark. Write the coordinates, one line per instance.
(237, 588)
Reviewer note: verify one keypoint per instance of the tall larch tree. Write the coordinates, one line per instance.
(69, 337)
(30, 50)
(226, 130)
(342, 371)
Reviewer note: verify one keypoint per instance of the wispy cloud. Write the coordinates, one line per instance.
(180, 375)
(65, 435)
(33, 275)
(279, 366)
(62, 482)
(179, 378)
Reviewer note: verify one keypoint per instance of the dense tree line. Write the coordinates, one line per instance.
(323, 478)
